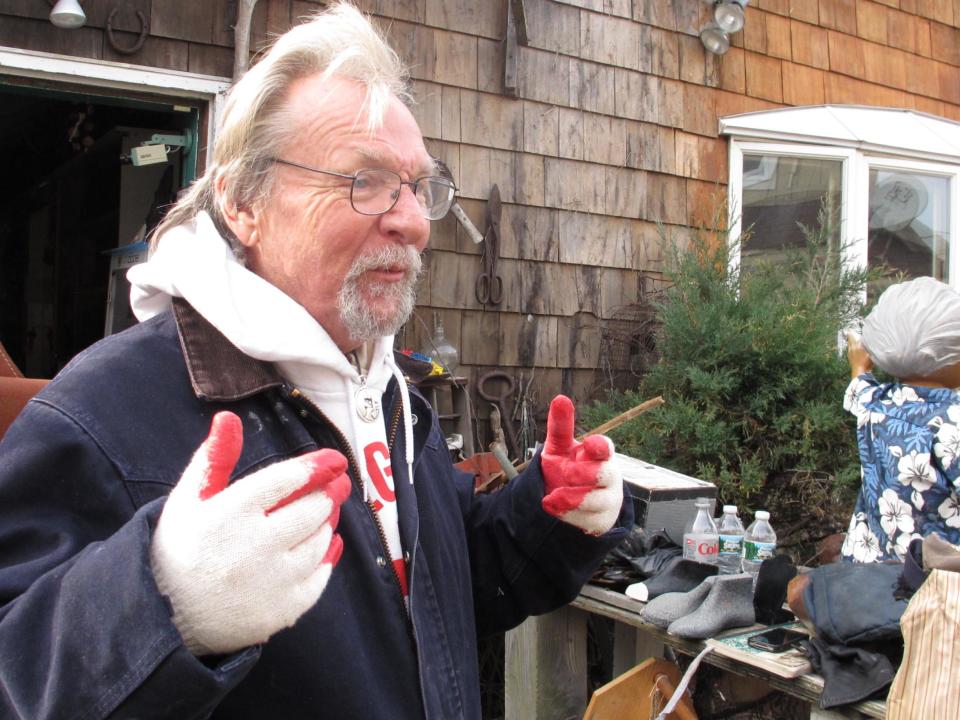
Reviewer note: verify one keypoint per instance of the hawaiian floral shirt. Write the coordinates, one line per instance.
(909, 441)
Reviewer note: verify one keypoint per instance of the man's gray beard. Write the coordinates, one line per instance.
(359, 321)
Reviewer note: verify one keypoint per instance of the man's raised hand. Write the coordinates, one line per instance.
(582, 485)
(240, 562)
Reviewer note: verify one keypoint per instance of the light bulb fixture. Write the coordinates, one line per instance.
(68, 14)
(728, 14)
(728, 18)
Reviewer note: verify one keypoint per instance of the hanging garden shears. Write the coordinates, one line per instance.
(489, 286)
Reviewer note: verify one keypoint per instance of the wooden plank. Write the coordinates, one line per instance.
(693, 61)
(637, 96)
(626, 189)
(544, 76)
(546, 667)
(872, 22)
(541, 128)
(909, 33)
(670, 100)
(803, 85)
(666, 200)
(604, 139)
(578, 341)
(486, 19)
(489, 65)
(659, 14)
(412, 10)
(643, 146)
(553, 27)
(527, 340)
(805, 10)
(839, 15)
(210, 60)
(592, 87)
(701, 115)
(885, 66)
(754, 36)
(484, 166)
(732, 73)
(156, 52)
(947, 41)
(548, 288)
(763, 77)
(659, 52)
(427, 109)
(778, 36)
(529, 233)
(589, 280)
(481, 333)
(619, 288)
(570, 132)
(610, 40)
(599, 240)
(809, 45)
(703, 202)
(530, 180)
(452, 280)
(456, 59)
(450, 113)
(574, 185)
(415, 44)
(191, 21)
(40, 35)
(98, 11)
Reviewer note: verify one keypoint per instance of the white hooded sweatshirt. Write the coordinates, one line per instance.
(193, 262)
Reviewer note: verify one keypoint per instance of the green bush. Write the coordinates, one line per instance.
(753, 382)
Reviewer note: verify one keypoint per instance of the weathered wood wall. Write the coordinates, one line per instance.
(610, 139)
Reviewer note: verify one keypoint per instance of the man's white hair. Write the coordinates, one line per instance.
(256, 126)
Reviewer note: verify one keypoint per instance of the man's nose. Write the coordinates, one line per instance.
(405, 219)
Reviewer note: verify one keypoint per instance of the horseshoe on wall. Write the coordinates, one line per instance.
(113, 41)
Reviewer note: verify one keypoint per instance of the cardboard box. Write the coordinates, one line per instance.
(662, 498)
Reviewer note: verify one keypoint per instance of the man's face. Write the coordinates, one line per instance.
(354, 273)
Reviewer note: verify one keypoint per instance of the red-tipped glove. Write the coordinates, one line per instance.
(241, 562)
(582, 484)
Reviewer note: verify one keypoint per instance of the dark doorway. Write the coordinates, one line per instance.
(69, 198)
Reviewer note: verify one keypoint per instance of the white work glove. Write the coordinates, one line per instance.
(241, 562)
(582, 484)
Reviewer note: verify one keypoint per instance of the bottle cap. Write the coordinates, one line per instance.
(762, 515)
(729, 508)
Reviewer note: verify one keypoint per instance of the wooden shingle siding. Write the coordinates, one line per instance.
(611, 140)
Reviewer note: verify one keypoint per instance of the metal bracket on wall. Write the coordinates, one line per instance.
(516, 35)
(136, 45)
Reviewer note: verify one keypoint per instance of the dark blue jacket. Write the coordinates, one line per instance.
(84, 632)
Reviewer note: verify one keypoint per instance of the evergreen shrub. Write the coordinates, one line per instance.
(753, 382)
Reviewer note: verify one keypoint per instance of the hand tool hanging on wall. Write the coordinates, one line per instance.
(485, 389)
(489, 285)
(457, 211)
(516, 34)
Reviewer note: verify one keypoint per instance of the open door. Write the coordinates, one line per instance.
(87, 177)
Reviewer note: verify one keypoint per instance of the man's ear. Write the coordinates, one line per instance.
(242, 221)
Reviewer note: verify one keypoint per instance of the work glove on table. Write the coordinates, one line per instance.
(583, 486)
(243, 561)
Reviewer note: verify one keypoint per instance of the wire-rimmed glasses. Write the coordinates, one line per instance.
(376, 191)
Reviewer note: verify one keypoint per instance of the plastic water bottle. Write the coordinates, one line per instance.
(731, 534)
(701, 540)
(759, 544)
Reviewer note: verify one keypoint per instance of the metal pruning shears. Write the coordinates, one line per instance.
(489, 286)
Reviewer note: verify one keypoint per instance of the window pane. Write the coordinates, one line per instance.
(909, 226)
(781, 193)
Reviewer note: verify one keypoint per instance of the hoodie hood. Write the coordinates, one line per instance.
(193, 262)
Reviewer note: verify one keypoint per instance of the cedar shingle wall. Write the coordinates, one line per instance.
(613, 132)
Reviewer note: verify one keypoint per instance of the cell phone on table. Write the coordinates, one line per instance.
(776, 640)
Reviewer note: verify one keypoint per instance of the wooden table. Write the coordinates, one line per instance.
(546, 660)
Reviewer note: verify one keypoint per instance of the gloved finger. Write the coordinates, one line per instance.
(597, 447)
(297, 522)
(209, 470)
(298, 476)
(565, 499)
(329, 473)
(560, 418)
(304, 558)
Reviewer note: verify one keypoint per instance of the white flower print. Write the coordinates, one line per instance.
(864, 544)
(901, 547)
(914, 469)
(950, 511)
(859, 393)
(946, 445)
(895, 514)
(903, 393)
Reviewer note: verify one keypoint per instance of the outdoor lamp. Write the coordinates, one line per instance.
(67, 14)
(728, 18)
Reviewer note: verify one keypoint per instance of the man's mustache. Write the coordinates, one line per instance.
(404, 257)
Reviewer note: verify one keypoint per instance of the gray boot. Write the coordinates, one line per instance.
(664, 609)
(729, 604)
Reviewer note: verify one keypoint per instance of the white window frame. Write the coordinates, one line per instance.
(792, 132)
(122, 77)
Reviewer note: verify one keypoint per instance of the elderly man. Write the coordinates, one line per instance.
(317, 555)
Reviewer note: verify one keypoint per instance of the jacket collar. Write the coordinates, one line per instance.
(219, 371)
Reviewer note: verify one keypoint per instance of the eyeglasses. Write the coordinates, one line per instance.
(375, 192)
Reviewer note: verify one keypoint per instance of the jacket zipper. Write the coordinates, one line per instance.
(345, 446)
